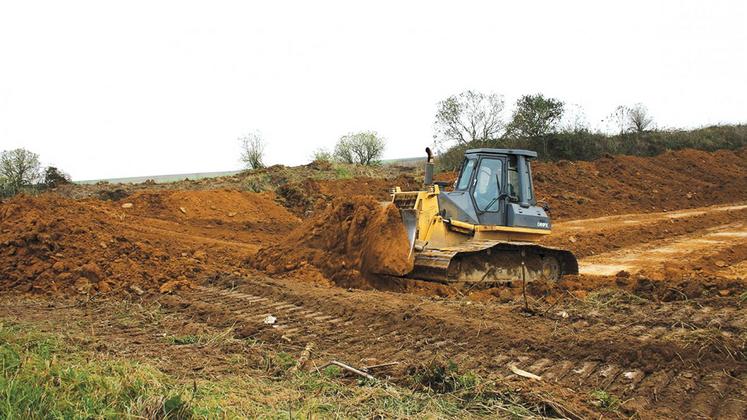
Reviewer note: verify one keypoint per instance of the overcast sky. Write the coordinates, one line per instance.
(111, 89)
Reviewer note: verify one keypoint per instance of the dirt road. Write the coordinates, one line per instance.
(708, 233)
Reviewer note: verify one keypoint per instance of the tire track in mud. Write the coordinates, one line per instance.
(712, 389)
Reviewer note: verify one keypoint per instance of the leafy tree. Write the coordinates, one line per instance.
(365, 148)
(54, 177)
(252, 150)
(536, 117)
(469, 116)
(20, 168)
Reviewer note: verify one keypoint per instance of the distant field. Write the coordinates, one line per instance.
(160, 178)
(201, 175)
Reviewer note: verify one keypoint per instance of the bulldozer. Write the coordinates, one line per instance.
(485, 229)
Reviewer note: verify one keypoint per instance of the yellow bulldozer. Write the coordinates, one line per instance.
(485, 230)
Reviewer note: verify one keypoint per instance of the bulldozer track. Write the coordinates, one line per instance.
(715, 390)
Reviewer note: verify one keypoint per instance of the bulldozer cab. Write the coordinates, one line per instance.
(494, 188)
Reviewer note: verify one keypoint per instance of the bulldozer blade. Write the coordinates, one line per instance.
(410, 220)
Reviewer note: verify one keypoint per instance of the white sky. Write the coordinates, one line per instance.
(110, 89)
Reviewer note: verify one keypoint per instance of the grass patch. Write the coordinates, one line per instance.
(443, 377)
(44, 376)
(40, 378)
(184, 339)
(605, 400)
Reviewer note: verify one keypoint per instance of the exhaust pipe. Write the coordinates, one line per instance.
(429, 168)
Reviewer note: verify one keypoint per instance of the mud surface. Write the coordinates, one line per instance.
(656, 319)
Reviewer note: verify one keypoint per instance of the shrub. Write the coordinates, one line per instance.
(252, 150)
(365, 148)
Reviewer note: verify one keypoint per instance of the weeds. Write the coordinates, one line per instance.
(442, 378)
(711, 340)
(605, 400)
(614, 298)
(184, 340)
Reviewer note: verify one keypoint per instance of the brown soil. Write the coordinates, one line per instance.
(151, 241)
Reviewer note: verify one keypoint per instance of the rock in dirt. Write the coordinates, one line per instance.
(174, 285)
(92, 272)
(137, 290)
(82, 285)
(127, 205)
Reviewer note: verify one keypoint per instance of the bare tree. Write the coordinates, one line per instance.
(364, 148)
(20, 168)
(252, 150)
(574, 119)
(630, 119)
(469, 116)
(639, 119)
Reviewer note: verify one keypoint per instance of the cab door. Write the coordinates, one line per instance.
(487, 188)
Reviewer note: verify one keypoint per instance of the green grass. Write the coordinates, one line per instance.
(605, 400)
(44, 376)
(184, 339)
(40, 379)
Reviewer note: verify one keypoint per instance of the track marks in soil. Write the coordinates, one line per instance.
(347, 332)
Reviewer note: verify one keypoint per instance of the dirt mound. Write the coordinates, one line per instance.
(48, 243)
(149, 241)
(350, 239)
(240, 210)
(311, 196)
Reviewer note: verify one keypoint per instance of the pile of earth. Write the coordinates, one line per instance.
(302, 189)
(150, 241)
(310, 196)
(258, 213)
(51, 244)
(352, 239)
(621, 184)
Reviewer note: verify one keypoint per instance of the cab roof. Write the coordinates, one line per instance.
(487, 151)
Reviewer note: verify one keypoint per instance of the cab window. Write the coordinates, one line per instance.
(514, 187)
(467, 169)
(488, 184)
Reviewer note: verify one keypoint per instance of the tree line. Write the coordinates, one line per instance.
(361, 148)
(558, 131)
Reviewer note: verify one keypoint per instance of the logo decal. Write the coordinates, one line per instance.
(543, 225)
